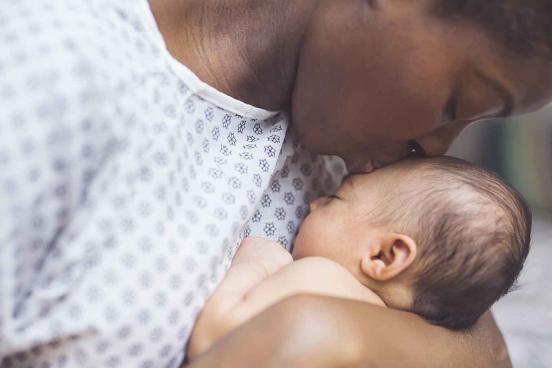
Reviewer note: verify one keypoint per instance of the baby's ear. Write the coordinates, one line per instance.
(389, 255)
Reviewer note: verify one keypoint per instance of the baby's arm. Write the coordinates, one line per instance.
(311, 275)
(252, 285)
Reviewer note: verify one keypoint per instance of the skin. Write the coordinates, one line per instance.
(360, 78)
(364, 80)
(353, 255)
(377, 256)
(410, 76)
(311, 331)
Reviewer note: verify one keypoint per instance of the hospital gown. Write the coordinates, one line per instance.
(126, 185)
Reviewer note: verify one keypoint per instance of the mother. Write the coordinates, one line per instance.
(135, 156)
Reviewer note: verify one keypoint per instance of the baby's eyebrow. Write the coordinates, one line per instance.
(346, 177)
(348, 180)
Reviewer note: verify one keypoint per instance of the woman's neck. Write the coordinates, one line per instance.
(248, 49)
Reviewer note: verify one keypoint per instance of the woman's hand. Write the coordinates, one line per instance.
(323, 332)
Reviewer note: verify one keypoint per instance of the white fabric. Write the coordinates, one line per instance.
(126, 185)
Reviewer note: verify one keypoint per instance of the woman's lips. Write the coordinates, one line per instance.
(369, 167)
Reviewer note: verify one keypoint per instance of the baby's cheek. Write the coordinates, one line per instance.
(311, 239)
(303, 241)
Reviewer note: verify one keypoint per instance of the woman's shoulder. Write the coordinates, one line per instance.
(76, 37)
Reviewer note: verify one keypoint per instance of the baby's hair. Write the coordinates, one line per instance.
(473, 234)
(523, 26)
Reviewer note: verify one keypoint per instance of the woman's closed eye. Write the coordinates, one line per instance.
(415, 149)
(451, 110)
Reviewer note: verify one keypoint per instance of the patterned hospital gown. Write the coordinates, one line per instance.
(126, 185)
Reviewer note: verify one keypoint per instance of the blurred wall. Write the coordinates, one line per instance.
(519, 150)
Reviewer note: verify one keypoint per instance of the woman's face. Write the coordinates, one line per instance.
(376, 75)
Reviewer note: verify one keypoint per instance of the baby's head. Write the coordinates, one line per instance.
(439, 237)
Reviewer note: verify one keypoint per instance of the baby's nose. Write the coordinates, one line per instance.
(318, 202)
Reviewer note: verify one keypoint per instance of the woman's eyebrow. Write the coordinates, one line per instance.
(504, 94)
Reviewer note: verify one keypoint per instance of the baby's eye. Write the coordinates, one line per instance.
(333, 196)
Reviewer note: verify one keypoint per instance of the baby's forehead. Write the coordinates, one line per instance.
(384, 176)
(440, 179)
(421, 181)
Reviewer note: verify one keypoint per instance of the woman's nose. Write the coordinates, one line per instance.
(438, 142)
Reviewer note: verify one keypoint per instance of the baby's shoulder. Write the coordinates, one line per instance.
(324, 269)
(322, 262)
(335, 279)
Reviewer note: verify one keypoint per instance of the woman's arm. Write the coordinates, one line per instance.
(231, 305)
(314, 331)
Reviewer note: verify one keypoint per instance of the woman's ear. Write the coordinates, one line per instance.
(388, 256)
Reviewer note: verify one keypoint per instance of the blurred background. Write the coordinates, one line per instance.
(520, 151)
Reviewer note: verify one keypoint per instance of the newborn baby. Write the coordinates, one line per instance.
(437, 237)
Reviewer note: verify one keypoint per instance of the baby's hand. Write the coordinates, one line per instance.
(255, 260)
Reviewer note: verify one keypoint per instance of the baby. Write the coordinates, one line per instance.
(437, 237)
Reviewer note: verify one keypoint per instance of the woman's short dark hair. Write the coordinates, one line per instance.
(523, 26)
